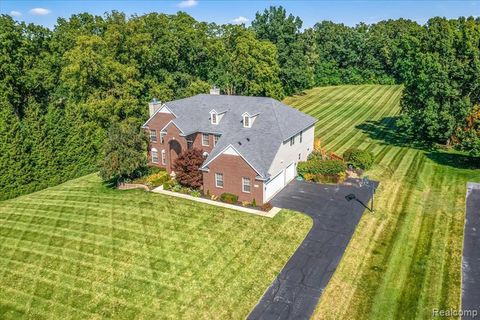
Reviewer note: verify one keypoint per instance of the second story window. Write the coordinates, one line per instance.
(301, 136)
(246, 121)
(162, 137)
(205, 139)
(292, 140)
(215, 139)
(153, 135)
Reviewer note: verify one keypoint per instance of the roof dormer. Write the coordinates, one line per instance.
(216, 117)
(248, 119)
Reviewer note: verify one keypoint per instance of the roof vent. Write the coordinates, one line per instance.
(215, 91)
(248, 139)
(239, 143)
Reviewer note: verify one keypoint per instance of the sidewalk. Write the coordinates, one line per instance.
(269, 214)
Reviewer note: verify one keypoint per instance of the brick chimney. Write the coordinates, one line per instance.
(154, 106)
(215, 91)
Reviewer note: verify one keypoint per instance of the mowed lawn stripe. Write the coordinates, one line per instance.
(342, 140)
(125, 254)
(404, 260)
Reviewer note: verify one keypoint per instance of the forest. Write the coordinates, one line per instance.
(61, 90)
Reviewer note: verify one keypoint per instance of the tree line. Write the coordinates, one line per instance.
(61, 90)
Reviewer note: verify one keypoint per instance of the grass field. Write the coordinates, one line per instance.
(83, 251)
(404, 260)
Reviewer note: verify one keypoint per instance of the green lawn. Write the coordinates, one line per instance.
(81, 250)
(405, 259)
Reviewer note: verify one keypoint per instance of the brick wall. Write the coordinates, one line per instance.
(233, 169)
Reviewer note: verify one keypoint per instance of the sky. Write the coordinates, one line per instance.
(310, 11)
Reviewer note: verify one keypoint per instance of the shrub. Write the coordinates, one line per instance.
(308, 176)
(245, 203)
(229, 198)
(315, 167)
(254, 203)
(169, 184)
(195, 193)
(327, 178)
(361, 159)
(157, 179)
(267, 206)
(316, 155)
(176, 188)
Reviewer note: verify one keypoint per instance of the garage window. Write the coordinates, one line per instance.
(219, 180)
(246, 185)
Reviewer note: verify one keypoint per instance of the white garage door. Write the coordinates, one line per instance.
(290, 173)
(274, 185)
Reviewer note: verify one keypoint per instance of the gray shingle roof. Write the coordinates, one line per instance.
(275, 123)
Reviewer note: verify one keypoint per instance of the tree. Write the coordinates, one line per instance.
(123, 152)
(284, 31)
(187, 168)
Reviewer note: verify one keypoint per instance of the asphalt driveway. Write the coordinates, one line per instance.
(295, 292)
(471, 254)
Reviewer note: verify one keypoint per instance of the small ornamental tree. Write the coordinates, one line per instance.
(187, 168)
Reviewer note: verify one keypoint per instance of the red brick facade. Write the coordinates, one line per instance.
(233, 168)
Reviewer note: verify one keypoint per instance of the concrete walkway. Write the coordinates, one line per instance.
(471, 254)
(269, 214)
(296, 291)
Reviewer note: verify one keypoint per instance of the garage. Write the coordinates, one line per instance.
(290, 173)
(277, 183)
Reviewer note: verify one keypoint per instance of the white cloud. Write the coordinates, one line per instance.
(240, 20)
(14, 13)
(39, 11)
(188, 3)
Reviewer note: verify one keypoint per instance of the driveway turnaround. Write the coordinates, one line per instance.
(471, 254)
(335, 211)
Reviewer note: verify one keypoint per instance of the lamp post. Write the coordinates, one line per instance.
(369, 184)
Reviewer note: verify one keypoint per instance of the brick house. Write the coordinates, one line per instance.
(251, 144)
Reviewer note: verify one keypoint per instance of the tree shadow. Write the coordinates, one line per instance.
(454, 160)
(387, 132)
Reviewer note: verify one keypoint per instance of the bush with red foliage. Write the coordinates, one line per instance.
(187, 167)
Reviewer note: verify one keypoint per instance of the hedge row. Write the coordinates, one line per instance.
(326, 167)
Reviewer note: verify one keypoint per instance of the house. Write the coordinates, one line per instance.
(251, 145)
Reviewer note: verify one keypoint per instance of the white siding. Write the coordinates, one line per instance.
(287, 154)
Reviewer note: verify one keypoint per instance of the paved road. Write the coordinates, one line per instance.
(471, 253)
(294, 294)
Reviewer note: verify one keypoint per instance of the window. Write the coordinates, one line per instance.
(219, 180)
(153, 135)
(162, 137)
(205, 139)
(299, 156)
(301, 136)
(214, 118)
(246, 185)
(292, 140)
(164, 159)
(246, 121)
(215, 139)
(154, 155)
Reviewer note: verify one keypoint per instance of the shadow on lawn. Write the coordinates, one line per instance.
(386, 131)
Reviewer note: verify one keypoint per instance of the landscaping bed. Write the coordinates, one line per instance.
(324, 167)
(229, 198)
